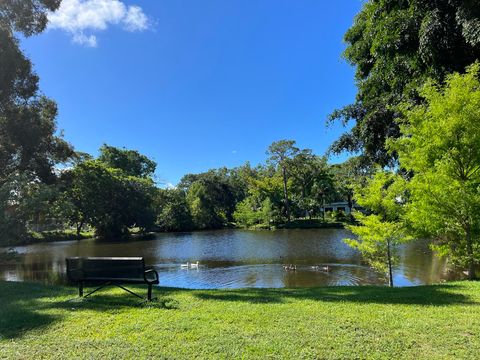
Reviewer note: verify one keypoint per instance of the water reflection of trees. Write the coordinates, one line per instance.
(229, 249)
(420, 265)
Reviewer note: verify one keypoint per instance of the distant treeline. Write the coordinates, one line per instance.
(116, 192)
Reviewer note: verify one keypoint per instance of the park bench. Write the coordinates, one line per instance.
(105, 271)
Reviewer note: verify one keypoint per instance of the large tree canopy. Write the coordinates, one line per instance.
(396, 45)
(30, 145)
(28, 140)
(130, 161)
(440, 146)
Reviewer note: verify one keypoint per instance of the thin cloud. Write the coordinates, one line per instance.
(82, 18)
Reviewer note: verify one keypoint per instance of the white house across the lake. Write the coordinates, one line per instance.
(342, 206)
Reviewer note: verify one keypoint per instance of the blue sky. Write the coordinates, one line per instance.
(196, 84)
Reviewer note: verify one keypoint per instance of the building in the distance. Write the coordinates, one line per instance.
(342, 206)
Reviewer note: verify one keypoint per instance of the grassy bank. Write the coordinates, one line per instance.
(312, 224)
(300, 224)
(427, 322)
(56, 235)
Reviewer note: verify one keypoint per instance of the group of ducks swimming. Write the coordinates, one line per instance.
(190, 265)
(292, 267)
(289, 267)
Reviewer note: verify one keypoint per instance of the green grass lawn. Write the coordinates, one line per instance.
(433, 322)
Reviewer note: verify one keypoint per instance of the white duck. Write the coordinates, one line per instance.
(194, 265)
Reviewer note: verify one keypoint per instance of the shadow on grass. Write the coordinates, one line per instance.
(18, 310)
(436, 295)
(27, 306)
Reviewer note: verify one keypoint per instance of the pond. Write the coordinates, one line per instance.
(234, 259)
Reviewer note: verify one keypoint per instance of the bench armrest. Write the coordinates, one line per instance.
(151, 271)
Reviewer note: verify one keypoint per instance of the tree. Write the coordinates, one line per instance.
(348, 175)
(131, 162)
(109, 200)
(29, 142)
(311, 181)
(205, 211)
(440, 146)
(173, 211)
(280, 153)
(30, 145)
(396, 46)
(249, 213)
(380, 232)
(222, 191)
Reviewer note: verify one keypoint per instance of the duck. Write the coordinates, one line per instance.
(290, 267)
(194, 265)
(325, 268)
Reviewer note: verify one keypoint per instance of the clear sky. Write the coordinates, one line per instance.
(196, 84)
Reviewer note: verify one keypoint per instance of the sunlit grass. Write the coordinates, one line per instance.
(436, 322)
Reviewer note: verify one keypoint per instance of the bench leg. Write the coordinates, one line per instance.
(80, 289)
(149, 294)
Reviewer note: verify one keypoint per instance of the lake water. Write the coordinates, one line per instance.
(234, 259)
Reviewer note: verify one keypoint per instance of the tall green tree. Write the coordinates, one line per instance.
(379, 234)
(280, 154)
(440, 146)
(206, 212)
(173, 211)
(396, 46)
(30, 144)
(311, 181)
(109, 200)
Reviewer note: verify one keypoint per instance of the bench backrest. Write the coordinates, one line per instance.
(84, 268)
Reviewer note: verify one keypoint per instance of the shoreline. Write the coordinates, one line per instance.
(59, 235)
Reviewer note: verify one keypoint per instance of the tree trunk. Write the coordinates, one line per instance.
(471, 260)
(389, 258)
(303, 200)
(79, 228)
(323, 207)
(350, 203)
(285, 192)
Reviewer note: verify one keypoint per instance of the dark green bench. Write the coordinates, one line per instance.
(106, 271)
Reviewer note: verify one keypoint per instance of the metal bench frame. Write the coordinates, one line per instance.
(106, 281)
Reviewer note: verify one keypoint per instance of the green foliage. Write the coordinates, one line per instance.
(173, 211)
(376, 239)
(347, 176)
(109, 200)
(131, 162)
(281, 154)
(213, 195)
(440, 146)
(206, 212)
(29, 144)
(12, 221)
(396, 47)
(379, 233)
(249, 213)
(312, 181)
